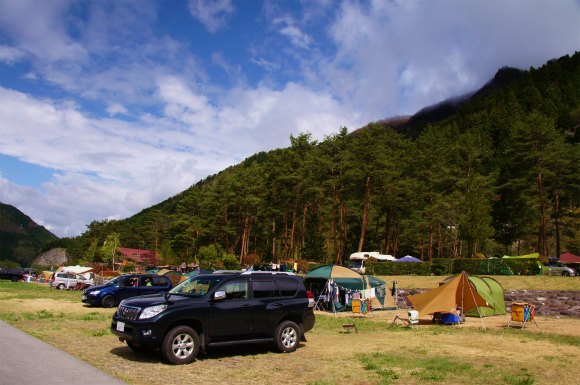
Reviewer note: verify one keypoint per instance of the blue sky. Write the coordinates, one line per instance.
(108, 107)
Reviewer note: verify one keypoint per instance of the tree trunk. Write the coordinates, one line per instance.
(365, 213)
(388, 220)
(542, 243)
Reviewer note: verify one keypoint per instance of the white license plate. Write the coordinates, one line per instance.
(84, 297)
(121, 326)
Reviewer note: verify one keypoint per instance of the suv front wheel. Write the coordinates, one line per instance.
(180, 346)
(287, 336)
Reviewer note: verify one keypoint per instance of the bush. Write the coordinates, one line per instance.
(398, 268)
(230, 262)
(442, 266)
(128, 267)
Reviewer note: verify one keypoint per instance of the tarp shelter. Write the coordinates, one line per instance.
(337, 285)
(459, 292)
(569, 258)
(408, 258)
(193, 273)
(173, 276)
(527, 256)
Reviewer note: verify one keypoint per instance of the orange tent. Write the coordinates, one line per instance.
(459, 292)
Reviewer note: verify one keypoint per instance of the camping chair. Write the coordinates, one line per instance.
(347, 328)
(320, 303)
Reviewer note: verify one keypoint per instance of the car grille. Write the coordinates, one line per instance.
(128, 312)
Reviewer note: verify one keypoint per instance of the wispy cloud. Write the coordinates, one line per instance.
(214, 14)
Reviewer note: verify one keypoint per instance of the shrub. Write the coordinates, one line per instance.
(442, 266)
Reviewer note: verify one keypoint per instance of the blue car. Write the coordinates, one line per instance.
(125, 286)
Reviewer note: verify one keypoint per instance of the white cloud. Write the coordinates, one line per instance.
(428, 51)
(113, 168)
(39, 32)
(10, 54)
(212, 13)
(297, 38)
(116, 108)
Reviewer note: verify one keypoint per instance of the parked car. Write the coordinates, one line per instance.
(558, 268)
(14, 274)
(218, 309)
(125, 286)
(61, 280)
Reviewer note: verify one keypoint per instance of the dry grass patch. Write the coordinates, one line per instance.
(378, 354)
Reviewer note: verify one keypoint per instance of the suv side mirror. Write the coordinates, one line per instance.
(219, 295)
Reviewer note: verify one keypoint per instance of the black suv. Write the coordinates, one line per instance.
(14, 274)
(217, 309)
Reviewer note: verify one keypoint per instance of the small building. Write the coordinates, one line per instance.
(146, 257)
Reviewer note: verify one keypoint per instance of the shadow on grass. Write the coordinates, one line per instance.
(212, 353)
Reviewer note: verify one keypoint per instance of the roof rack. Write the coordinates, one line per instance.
(267, 272)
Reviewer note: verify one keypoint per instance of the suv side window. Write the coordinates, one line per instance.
(287, 286)
(263, 289)
(236, 290)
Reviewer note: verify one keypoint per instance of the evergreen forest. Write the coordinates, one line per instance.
(494, 174)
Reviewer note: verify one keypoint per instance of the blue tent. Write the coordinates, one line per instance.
(408, 258)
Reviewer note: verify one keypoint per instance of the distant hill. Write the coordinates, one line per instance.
(21, 239)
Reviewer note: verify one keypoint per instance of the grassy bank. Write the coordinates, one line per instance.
(378, 354)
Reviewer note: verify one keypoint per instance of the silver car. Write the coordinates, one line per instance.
(558, 268)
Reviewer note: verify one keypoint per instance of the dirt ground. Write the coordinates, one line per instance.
(547, 325)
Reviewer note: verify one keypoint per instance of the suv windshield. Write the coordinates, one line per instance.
(196, 286)
(115, 280)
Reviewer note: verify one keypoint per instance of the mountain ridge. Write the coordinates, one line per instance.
(21, 238)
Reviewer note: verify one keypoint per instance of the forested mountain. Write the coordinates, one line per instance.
(494, 172)
(21, 239)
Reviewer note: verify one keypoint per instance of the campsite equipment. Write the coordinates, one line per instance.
(522, 312)
(458, 292)
(413, 319)
(450, 318)
(335, 287)
(361, 306)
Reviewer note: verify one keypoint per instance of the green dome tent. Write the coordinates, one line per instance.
(492, 291)
(346, 282)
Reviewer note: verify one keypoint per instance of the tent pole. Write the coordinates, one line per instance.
(477, 307)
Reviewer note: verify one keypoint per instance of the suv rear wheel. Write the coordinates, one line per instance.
(180, 346)
(287, 336)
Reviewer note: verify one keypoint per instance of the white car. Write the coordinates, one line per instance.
(68, 280)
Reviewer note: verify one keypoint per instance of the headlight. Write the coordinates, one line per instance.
(152, 311)
(94, 292)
